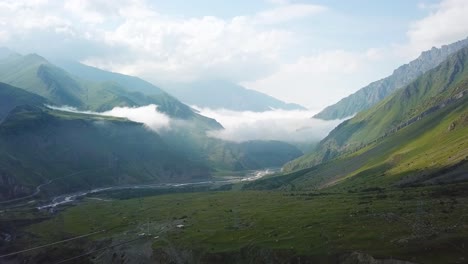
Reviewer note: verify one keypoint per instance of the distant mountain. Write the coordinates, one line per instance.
(223, 94)
(375, 92)
(6, 52)
(444, 85)
(90, 73)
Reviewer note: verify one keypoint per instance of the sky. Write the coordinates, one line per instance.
(308, 52)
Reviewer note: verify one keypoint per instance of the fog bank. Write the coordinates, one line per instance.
(284, 125)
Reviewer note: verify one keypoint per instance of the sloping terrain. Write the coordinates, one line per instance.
(377, 91)
(37, 75)
(79, 152)
(439, 88)
(11, 97)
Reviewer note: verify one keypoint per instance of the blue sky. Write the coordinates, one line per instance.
(308, 52)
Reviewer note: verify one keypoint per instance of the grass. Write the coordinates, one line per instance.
(400, 223)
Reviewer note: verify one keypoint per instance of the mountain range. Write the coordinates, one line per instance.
(219, 94)
(40, 144)
(375, 92)
(388, 185)
(415, 136)
(214, 94)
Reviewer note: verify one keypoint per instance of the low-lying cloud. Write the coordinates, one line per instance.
(284, 125)
(148, 115)
(295, 126)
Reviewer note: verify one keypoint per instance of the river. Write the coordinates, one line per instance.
(71, 197)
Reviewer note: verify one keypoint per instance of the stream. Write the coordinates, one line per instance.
(71, 197)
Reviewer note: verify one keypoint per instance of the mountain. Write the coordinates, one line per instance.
(11, 97)
(37, 75)
(422, 127)
(375, 92)
(90, 73)
(6, 52)
(192, 140)
(39, 144)
(218, 94)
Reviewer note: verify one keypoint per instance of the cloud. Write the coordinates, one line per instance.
(148, 115)
(290, 126)
(132, 37)
(191, 49)
(283, 125)
(447, 23)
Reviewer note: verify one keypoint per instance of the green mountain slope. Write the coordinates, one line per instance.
(83, 151)
(227, 95)
(11, 97)
(80, 151)
(434, 90)
(416, 136)
(430, 151)
(375, 92)
(36, 75)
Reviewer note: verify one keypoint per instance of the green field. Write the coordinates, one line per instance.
(414, 224)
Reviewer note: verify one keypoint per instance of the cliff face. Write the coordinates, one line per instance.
(375, 92)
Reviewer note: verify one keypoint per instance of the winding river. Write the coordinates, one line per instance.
(71, 197)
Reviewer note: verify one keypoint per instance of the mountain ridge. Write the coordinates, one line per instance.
(444, 85)
(219, 94)
(376, 91)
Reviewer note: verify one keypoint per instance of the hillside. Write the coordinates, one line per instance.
(39, 145)
(375, 92)
(37, 75)
(81, 151)
(11, 97)
(362, 211)
(393, 142)
(227, 95)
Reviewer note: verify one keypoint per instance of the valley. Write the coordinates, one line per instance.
(140, 132)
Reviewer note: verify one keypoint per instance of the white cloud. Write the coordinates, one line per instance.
(131, 36)
(447, 23)
(290, 126)
(192, 48)
(147, 115)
